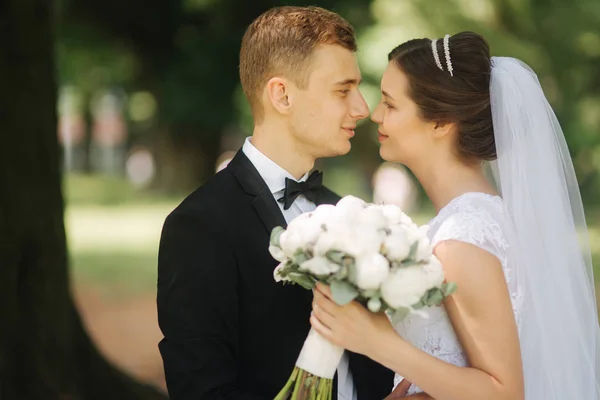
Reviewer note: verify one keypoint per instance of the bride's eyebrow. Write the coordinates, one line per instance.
(386, 94)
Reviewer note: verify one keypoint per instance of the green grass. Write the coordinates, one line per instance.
(113, 232)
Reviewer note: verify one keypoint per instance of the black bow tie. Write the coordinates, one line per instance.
(309, 189)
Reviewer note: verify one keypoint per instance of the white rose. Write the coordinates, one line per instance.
(434, 271)
(371, 271)
(277, 253)
(405, 287)
(319, 266)
(276, 275)
(396, 247)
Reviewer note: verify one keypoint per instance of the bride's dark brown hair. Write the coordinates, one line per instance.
(463, 99)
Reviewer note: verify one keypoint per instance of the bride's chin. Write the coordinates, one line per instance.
(386, 155)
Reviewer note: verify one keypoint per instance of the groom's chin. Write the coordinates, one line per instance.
(342, 148)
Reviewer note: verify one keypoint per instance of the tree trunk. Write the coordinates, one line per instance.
(45, 352)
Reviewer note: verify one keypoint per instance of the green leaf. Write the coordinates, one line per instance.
(342, 273)
(413, 250)
(449, 288)
(409, 263)
(343, 292)
(435, 297)
(420, 304)
(304, 280)
(300, 256)
(275, 234)
(370, 293)
(399, 315)
(335, 256)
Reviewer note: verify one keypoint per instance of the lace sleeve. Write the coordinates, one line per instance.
(477, 227)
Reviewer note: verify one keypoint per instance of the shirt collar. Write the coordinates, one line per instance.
(273, 175)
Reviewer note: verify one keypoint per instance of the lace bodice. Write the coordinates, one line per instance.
(474, 218)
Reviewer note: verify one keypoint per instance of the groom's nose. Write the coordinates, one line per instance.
(359, 109)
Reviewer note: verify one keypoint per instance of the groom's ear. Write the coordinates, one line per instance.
(278, 94)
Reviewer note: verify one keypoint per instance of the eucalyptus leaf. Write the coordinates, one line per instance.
(275, 235)
(420, 304)
(335, 256)
(370, 293)
(352, 272)
(342, 273)
(399, 315)
(306, 281)
(413, 250)
(301, 256)
(449, 288)
(435, 297)
(343, 292)
(409, 263)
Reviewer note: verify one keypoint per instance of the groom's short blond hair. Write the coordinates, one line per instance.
(281, 41)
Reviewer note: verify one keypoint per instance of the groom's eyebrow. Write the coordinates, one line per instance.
(348, 82)
(386, 94)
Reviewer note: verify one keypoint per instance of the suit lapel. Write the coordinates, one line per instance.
(252, 183)
(264, 203)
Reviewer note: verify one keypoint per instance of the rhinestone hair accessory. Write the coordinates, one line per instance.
(436, 56)
(447, 53)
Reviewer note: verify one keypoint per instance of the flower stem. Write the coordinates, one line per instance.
(284, 394)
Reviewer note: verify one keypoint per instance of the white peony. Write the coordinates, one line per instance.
(371, 271)
(396, 247)
(405, 287)
(424, 249)
(319, 266)
(395, 215)
(373, 217)
(434, 271)
(350, 205)
(301, 233)
(332, 240)
(277, 253)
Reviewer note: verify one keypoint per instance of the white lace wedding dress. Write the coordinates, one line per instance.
(478, 219)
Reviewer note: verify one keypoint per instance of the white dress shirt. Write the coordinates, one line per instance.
(274, 176)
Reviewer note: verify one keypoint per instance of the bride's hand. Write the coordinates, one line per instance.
(350, 326)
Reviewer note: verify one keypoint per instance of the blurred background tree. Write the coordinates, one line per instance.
(148, 106)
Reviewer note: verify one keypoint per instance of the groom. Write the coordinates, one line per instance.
(230, 331)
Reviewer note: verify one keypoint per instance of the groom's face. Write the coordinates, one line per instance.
(324, 115)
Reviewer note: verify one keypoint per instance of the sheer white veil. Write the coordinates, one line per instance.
(548, 239)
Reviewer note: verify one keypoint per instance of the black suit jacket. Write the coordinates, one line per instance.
(230, 331)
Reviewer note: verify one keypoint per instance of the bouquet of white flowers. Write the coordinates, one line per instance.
(374, 254)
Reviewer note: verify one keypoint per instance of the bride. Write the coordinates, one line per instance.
(523, 322)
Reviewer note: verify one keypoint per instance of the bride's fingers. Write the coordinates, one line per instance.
(325, 290)
(320, 328)
(323, 316)
(402, 388)
(325, 303)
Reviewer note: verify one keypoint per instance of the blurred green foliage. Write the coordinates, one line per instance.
(183, 55)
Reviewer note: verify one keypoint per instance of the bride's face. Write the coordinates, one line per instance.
(403, 135)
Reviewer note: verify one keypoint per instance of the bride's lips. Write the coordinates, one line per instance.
(381, 137)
